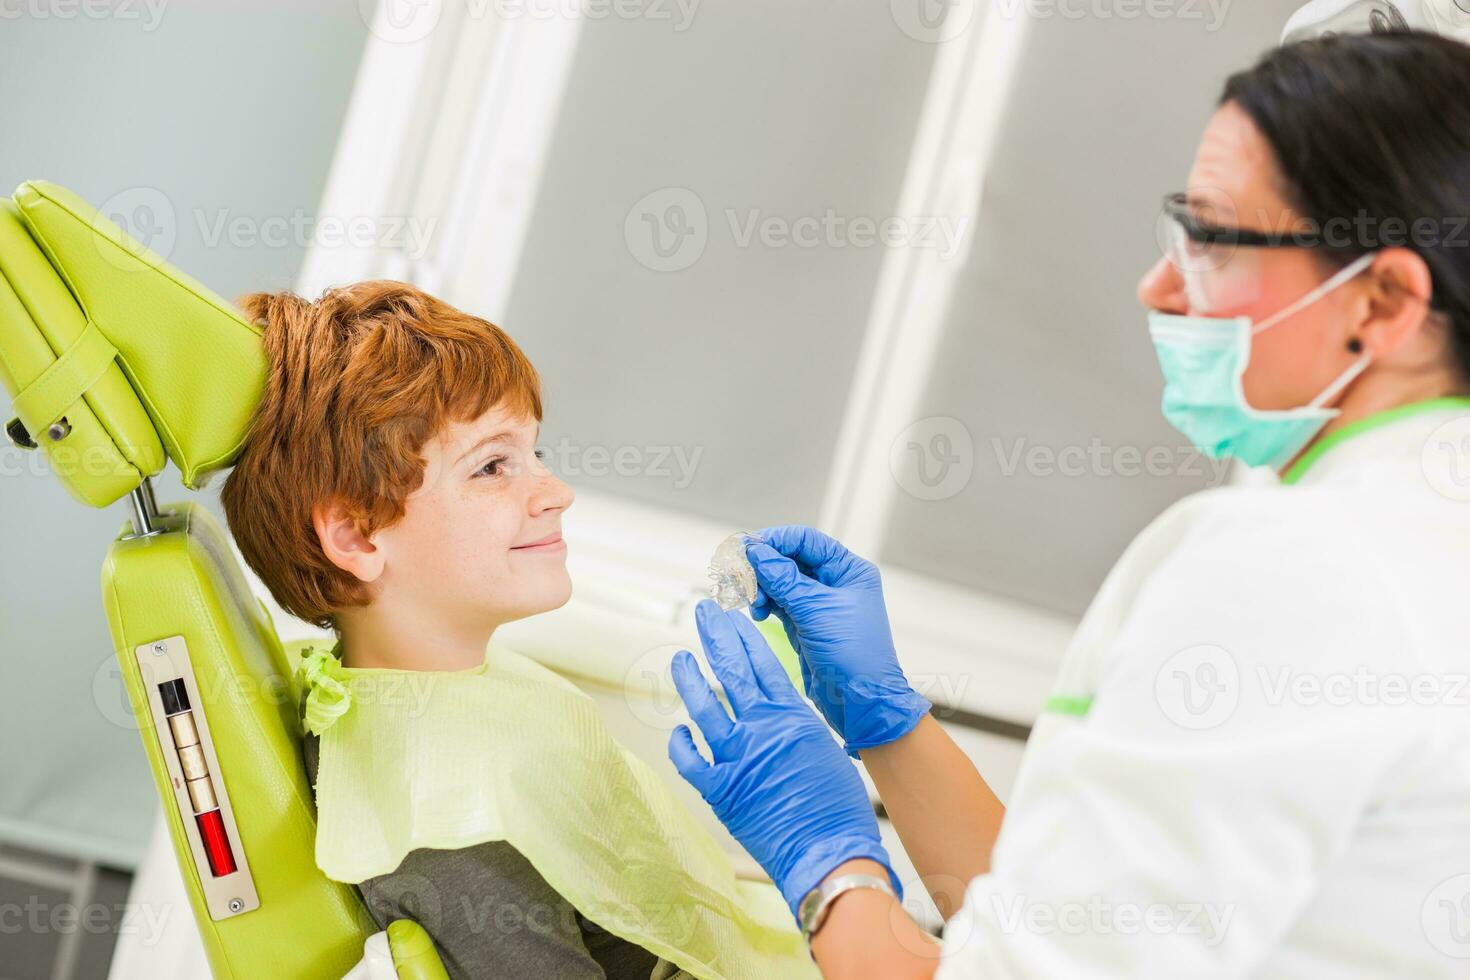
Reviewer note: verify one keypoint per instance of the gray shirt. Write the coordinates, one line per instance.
(491, 915)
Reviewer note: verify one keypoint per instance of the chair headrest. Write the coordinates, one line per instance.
(114, 357)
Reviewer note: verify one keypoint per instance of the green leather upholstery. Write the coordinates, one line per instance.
(187, 582)
(145, 365)
(131, 352)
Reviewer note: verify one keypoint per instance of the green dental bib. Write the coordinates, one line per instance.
(509, 751)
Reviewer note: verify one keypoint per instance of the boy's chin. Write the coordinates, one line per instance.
(553, 597)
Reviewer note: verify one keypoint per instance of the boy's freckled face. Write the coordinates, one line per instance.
(480, 539)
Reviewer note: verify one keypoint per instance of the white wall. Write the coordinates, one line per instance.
(222, 115)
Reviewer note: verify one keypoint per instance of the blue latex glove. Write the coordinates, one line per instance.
(778, 781)
(831, 603)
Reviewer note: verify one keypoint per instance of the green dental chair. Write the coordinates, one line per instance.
(118, 363)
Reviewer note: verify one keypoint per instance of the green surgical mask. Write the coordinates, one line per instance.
(1204, 358)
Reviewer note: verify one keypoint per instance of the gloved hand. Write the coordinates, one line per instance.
(778, 780)
(831, 603)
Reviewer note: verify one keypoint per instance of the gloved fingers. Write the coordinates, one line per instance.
(791, 635)
(769, 673)
(819, 556)
(727, 656)
(806, 546)
(780, 578)
(697, 696)
(761, 607)
(686, 758)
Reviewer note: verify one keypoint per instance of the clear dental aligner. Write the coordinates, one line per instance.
(734, 585)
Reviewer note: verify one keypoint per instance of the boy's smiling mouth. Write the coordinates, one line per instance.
(552, 542)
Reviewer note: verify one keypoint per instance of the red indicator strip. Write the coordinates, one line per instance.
(197, 778)
(216, 845)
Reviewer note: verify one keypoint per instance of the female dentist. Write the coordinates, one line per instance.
(1257, 758)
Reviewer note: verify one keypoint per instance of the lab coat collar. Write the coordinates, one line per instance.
(1399, 433)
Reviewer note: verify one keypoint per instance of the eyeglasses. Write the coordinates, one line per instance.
(1217, 274)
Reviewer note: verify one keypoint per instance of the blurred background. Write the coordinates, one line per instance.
(868, 266)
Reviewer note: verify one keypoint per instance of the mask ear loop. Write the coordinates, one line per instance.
(1346, 378)
(1343, 275)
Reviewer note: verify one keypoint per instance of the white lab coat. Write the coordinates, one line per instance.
(1273, 777)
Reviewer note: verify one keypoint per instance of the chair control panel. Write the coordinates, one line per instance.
(194, 771)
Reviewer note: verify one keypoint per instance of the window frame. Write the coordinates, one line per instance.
(973, 650)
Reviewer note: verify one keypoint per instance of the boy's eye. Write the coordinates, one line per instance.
(491, 468)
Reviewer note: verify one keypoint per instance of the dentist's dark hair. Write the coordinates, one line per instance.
(1369, 128)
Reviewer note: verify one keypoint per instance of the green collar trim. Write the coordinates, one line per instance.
(1375, 421)
(1063, 705)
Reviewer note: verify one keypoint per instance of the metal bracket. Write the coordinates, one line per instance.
(145, 512)
(16, 430)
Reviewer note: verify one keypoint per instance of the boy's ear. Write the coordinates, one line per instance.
(344, 543)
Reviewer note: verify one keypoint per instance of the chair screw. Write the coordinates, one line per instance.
(59, 430)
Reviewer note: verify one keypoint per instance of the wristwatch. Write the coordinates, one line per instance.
(814, 907)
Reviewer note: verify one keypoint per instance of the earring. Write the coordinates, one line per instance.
(1355, 345)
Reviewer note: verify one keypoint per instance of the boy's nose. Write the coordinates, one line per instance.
(551, 494)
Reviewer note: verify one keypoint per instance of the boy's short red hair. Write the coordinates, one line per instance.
(359, 381)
